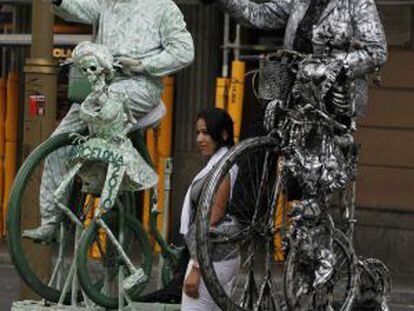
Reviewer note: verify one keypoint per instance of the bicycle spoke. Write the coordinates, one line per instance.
(267, 300)
(250, 210)
(250, 292)
(58, 274)
(237, 237)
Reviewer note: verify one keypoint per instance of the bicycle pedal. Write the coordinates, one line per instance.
(136, 279)
(40, 241)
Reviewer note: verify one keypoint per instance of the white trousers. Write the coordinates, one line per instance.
(227, 274)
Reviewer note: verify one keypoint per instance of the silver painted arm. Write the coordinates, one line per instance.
(273, 14)
(370, 45)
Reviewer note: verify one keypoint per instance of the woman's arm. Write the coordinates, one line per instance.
(273, 14)
(220, 203)
(218, 211)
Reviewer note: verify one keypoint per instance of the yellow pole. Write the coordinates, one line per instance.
(10, 172)
(3, 103)
(10, 138)
(164, 137)
(12, 106)
(283, 208)
(279, 255)
(159, 144)
(164, 148)
(235, 103)
(222, 92)
(152, 150)
(94, 251)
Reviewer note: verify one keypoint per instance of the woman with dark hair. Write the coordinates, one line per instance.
(214, 138)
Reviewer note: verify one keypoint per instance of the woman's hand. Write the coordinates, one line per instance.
(192, 282)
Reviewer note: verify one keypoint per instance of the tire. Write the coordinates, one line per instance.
(26, 254)
(252, 239)
(22, 197)
(91, 271)
(382, 282)
(340, 287)
(374, 285)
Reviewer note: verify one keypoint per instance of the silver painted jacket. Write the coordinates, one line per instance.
(343, 23)
(153, 31)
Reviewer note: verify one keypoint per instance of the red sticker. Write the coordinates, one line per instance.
(36, 105)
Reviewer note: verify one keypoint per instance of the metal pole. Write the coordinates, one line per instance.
(237, 43)
(226, 41)
(40, 79)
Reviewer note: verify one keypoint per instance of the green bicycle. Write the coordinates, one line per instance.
(98, 254)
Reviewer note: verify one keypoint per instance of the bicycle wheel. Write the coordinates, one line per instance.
(374, 284)
(99, 273)
(338, 291)
(251, 237)
(43, 267)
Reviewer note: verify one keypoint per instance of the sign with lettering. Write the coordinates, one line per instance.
(37, 103)
(96, 153)
(62, 53)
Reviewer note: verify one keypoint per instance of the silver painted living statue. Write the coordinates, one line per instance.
(345, 42)
(149, 39)
(351, 29)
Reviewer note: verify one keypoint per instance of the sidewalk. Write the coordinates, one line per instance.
(4, 254)
(9, 279)
(402, 295)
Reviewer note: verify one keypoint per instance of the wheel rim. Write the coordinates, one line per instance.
(98, 273)
(252, 239)
(20, 201)
(338, 291)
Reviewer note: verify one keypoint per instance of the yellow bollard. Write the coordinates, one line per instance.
(222, 92)
(3, 103)
(164, 134)
(152, 150)
(12, 107)
(159, 144)
(236, 94)
(10, 172)
(95, 251)
(283, 208)
(281, 204)
(164, 148)
(160, 172)
(10, 135)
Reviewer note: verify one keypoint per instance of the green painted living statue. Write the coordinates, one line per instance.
(148, 39)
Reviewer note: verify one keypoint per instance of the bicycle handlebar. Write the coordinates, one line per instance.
(251, 58)
(278, 55)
